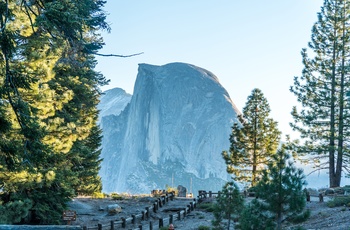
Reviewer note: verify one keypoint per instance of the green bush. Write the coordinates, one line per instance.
(209, 207)
(301, 217)
(98, 195)
(116, 196)
(346, 188)
(252, 217)
(339, 201)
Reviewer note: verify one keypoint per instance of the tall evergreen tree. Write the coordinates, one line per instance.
(253, 141)
(321, 91)
(49, 92)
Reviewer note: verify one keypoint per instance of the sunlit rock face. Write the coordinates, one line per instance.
(171, 132)
(113, 101)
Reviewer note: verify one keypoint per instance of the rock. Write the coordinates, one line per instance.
(182, 191)
(329, 191)
(113, 209)
(179, 120)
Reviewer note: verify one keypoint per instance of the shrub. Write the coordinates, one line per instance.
(209, 207)
(339, 201)
(228, 205)
(116, 196)
(346, 188)
(202, 227)
(252, 217)
(170, 189)
(98, 195)
(301, 217)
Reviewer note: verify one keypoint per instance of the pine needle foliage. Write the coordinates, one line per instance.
(49, 90)
(228, 205)
(321, 91)
(280, 191)
(253, 217)
(253, 141)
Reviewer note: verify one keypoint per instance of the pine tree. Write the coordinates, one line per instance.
(86, 163)
(228, 205)
(253, 141)
(253, 217)
(281, 189)
(49, 92)
(321, 91)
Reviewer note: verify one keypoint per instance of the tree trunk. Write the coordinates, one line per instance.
(332, 115)
(255, 147)
(339, 166)
(279, 221)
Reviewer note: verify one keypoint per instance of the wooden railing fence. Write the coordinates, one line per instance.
(134, 221)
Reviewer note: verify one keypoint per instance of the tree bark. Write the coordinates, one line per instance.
(339, 166)
(332, 181)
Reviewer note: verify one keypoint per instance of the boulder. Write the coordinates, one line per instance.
(113, 209)
(182, 191)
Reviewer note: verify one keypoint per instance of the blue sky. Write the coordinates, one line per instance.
(247, 44)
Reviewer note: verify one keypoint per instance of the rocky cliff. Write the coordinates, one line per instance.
(172, 131)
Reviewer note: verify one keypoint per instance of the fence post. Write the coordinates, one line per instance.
(140, 226)
(189, 208)
(170, 219)
(210, 194)
(133, 221)
(178, 215)
(160, 222)
(155, 206)
(160, 203)
(99, 226)
(320, 196)
(191, 204)
(143, 215)
(150, 225)
(112, 224)
(84, 228)
(195, 203)
(147, 214)
(123, 222)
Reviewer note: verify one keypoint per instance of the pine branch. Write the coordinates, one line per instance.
(117, 55)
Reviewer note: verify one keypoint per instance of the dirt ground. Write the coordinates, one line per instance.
(91, 212)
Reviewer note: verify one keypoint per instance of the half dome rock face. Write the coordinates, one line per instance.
(171, 133)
